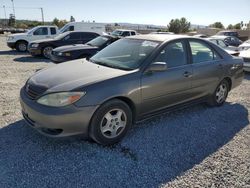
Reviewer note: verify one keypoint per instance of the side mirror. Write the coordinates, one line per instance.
(157, 67)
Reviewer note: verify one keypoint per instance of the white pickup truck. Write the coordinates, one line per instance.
(20, 41)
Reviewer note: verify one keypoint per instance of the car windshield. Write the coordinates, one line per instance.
(117, 33)
(31, 30)
(126, 54)
(99, 41)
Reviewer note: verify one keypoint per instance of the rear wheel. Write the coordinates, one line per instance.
(111, 122)
(47, 51)
(220, 95)
(21, 46)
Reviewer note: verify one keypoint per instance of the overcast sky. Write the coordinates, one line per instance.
(158, 12)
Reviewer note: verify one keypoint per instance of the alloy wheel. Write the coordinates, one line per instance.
(221, 93)
(47, 51)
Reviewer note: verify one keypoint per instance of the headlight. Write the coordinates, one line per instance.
(10, 38)
(60, 99)
(35, 45)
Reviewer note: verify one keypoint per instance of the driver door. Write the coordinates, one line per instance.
(170, 87)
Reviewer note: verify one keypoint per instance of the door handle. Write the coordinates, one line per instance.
(187, 74)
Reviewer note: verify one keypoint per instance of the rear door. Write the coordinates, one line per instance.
(207, 68)
(162, 89)
(88, 36)
(71, 38)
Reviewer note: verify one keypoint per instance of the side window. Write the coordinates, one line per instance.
(71, 28)
(201, 52)
(74, 36)
(41, 31)
(89, 35)
(125, 34)
(173, 54)
(132, 33)
(53, 31)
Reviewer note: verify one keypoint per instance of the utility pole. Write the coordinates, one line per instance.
(5, 21)
(42, 15)
(13, 7)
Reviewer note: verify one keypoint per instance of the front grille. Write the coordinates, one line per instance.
(33, 91)
(246, 60)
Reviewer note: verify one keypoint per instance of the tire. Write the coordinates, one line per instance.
(22, 46)
(111, 122)
(220, 94)
(46, 51)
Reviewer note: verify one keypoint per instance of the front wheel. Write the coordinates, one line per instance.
(220, 95)
(47, 51)
(21, 46)
(110, 122)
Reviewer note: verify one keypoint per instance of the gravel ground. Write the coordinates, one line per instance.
(193, 147)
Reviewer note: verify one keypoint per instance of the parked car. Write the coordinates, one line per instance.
(245, 45)
(246, 58)
(76, 51)
(127, 81)
(84, 26)
(201, 36)
(232, 50)
(20, 41)
(123, 33)
(45, 47)
(229, 40)
(228, 33)
(162, 32)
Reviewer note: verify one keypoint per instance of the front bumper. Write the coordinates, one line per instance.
(246, 67)
(11, 44)
(59, 59)
(35, 51)
(56, 122)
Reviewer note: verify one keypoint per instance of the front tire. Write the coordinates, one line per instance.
(220, 95)
(47, 51)
(111, 122)
(21, 46)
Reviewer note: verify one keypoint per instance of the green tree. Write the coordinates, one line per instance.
(179, 25)
(237, 26)
(230, 26)
(55, 22)
(218, 25)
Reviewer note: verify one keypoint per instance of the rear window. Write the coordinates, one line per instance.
(202, 52)
(52, 31)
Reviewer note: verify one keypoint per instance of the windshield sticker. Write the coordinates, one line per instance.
(149, 43)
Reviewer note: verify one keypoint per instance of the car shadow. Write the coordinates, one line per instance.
(12, 52)
(153, 153)
(247, 75)
(32, 59)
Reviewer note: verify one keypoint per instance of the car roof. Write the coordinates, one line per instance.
(124, 30)
(160, 38)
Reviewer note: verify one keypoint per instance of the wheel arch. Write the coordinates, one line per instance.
(229, 81)
(21, 40)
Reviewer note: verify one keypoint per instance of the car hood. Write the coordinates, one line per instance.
(18, 35)
(73, 74)
(74, 47)
(245, 54)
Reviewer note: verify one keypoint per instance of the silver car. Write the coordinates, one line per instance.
(133, 78)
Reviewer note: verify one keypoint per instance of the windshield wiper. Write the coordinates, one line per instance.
(108, 65)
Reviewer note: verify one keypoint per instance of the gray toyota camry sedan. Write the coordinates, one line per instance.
(133, 78)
